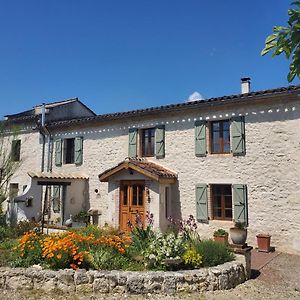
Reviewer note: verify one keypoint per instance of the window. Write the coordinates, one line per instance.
(15, 150)
(220, 136)
(148, 142)
(221, 195)
(13, 190)
(69, 147)
(69, 151)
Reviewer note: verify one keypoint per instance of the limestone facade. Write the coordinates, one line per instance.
(270, 167)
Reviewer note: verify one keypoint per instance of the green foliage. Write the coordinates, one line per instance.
(7, 165)
(141, 238)
(164, 246)
(25, 226)
(107, 258)
(239, 225)
(83, 216)
(192, 259)
(287, 40)
(89, 230)
(213, 253)
(220, 232)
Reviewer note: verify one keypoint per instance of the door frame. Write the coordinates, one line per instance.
(131, 183)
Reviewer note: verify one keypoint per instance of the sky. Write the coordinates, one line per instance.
(117, 55)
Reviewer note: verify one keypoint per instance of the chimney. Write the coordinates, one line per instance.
(245, 85)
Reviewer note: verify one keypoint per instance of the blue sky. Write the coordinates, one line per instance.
(118, 55)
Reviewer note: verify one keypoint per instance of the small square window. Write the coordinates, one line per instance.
(147, 142)
(15, 150)
(69, 145)
(221, 198)
(220, 137)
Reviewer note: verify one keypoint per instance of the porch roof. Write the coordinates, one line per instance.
(143, 166)
(56, 175)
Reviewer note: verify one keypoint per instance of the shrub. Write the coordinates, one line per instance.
(69, 249)
(141, 238)
(213, 253)
(192, 259)
(168, 246)
(107, 258)
(25, 226)
(29, 250)
(89, 230)
(5, 232)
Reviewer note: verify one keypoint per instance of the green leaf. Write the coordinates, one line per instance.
(271, 38)
(291, 76)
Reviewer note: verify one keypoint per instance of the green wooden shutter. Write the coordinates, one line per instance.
(201, 203)
(238, 135)
(200, 138)
(160, 141)
(240, 202)
(132, 142)
(56, 198)
(58, 152)
(78, 150)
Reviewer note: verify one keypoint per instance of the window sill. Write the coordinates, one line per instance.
(220, 154)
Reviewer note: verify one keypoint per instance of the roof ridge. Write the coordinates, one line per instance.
(114, 115)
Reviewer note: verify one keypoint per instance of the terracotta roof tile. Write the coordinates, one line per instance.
(140, 164)
(56, 175)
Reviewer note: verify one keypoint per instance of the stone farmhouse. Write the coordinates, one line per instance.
(225, 159)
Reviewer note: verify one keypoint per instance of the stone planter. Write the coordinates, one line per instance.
(221, 239)
(238, 235)
(263, 242)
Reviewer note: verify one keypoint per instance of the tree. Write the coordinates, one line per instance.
(8, 165)
(287, 40)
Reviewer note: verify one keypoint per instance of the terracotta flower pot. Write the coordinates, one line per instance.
(221, 238)
(263, 242)
(238, 236)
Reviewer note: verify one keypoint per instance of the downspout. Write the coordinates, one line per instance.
(44, 137)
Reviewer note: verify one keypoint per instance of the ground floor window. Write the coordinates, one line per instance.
(221, 197)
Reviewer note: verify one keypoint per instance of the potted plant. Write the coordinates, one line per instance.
(81, 219)
(263, 242)
(238, 233)
(221, 236)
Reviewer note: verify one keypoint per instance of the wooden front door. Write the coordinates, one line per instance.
(132, 202)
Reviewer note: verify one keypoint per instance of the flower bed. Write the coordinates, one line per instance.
(108, 249)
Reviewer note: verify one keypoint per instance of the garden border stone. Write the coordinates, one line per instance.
(221, 277)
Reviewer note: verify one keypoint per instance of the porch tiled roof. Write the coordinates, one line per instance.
(143, 166)
(56, 175)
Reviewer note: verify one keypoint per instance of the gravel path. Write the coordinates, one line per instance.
(280, 279)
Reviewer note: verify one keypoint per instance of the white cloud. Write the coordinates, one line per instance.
(195, 97)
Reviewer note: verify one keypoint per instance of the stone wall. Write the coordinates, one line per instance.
(221, 277)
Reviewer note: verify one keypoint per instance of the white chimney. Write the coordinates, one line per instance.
(245, 85)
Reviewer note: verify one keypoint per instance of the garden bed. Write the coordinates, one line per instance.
(221, 277)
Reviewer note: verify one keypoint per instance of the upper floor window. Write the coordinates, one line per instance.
(148, 142)
(220, 136)
(69, 151)
(69, 146)
(221, 195)
(225, 136)
(15, 150)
